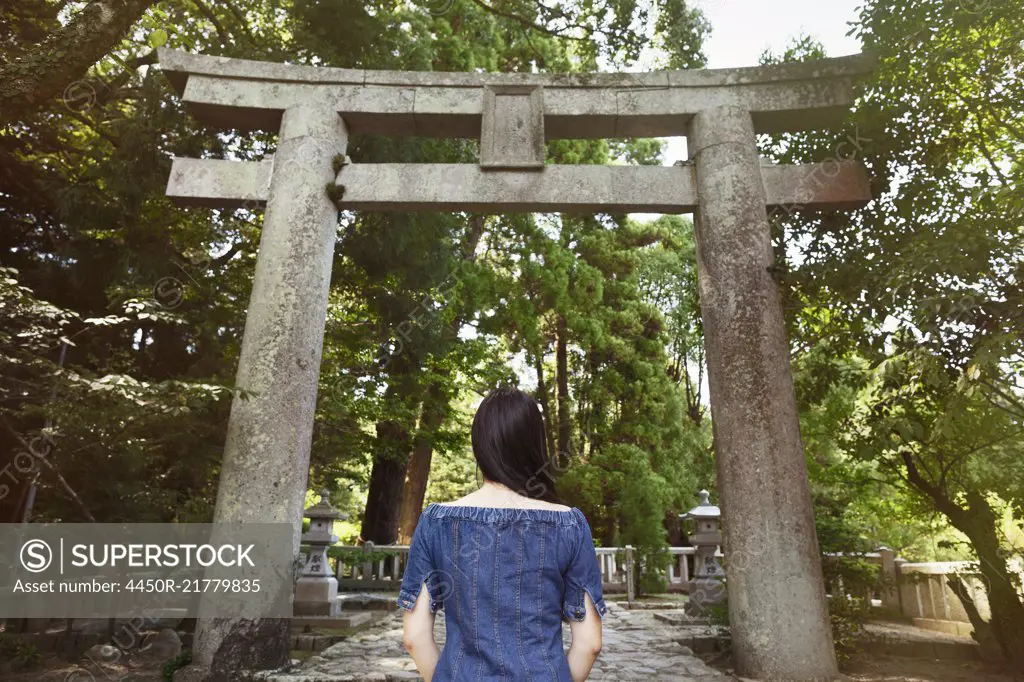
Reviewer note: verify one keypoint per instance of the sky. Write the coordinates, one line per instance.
(742, 29)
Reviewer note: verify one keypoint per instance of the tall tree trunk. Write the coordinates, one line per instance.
(562, 382)
(391, 452)
(434, 409)
(53, 66)
(1007, 621)
(13, 492)
(674, 528)
(545, 401)
(380, 521)
(990, 649)
(417, 471)
(978, 522)
(15, 471)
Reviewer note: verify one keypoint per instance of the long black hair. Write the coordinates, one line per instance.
(510, 444)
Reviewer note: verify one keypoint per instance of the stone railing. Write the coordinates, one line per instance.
(925, 595)
(364, 567)
(380, 567)
(616, 563)
(921, 591)
(916, 590)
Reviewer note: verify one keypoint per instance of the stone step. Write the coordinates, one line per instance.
(315, 642)
(651, 605)
(705, 644)
(680, 618)
(367, 602)
(344, 620)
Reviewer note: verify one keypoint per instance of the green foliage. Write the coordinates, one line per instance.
(718, 614)
(907, 315)
(650, 570)
(179, 661)
(17, 653)
(851, 575)
(847, 616)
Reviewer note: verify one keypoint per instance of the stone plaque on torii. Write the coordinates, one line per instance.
(778, 613)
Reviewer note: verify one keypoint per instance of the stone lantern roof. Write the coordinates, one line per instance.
(704, 510)
(323, 509)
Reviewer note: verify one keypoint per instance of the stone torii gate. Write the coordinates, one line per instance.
(777, 607)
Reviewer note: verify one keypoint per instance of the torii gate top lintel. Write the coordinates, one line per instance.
(249, 94)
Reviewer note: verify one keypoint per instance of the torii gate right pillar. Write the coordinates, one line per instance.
(778, 614)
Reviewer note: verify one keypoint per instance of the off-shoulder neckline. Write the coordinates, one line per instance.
(571, 516)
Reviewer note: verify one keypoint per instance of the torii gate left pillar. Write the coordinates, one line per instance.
(777, 602)
(265, 468)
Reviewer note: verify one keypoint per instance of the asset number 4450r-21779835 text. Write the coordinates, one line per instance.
(194, 585)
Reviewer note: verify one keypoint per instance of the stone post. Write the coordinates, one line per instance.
(777, 606)
(901, 598)
(367, 565)
(266, 454)
(630, 575)
(890, 593)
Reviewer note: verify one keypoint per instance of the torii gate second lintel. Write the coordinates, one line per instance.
(778, 610)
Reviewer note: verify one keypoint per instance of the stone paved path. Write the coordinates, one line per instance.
(636, 647)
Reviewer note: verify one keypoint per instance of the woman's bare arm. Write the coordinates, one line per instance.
(586, 642)
(418, 635)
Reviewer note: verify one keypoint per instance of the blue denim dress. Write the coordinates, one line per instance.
(505, 578)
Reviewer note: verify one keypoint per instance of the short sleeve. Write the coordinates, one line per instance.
(420, 568)
(583, 574)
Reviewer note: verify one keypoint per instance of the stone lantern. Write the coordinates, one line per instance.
(707, 585)
(316, 593)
